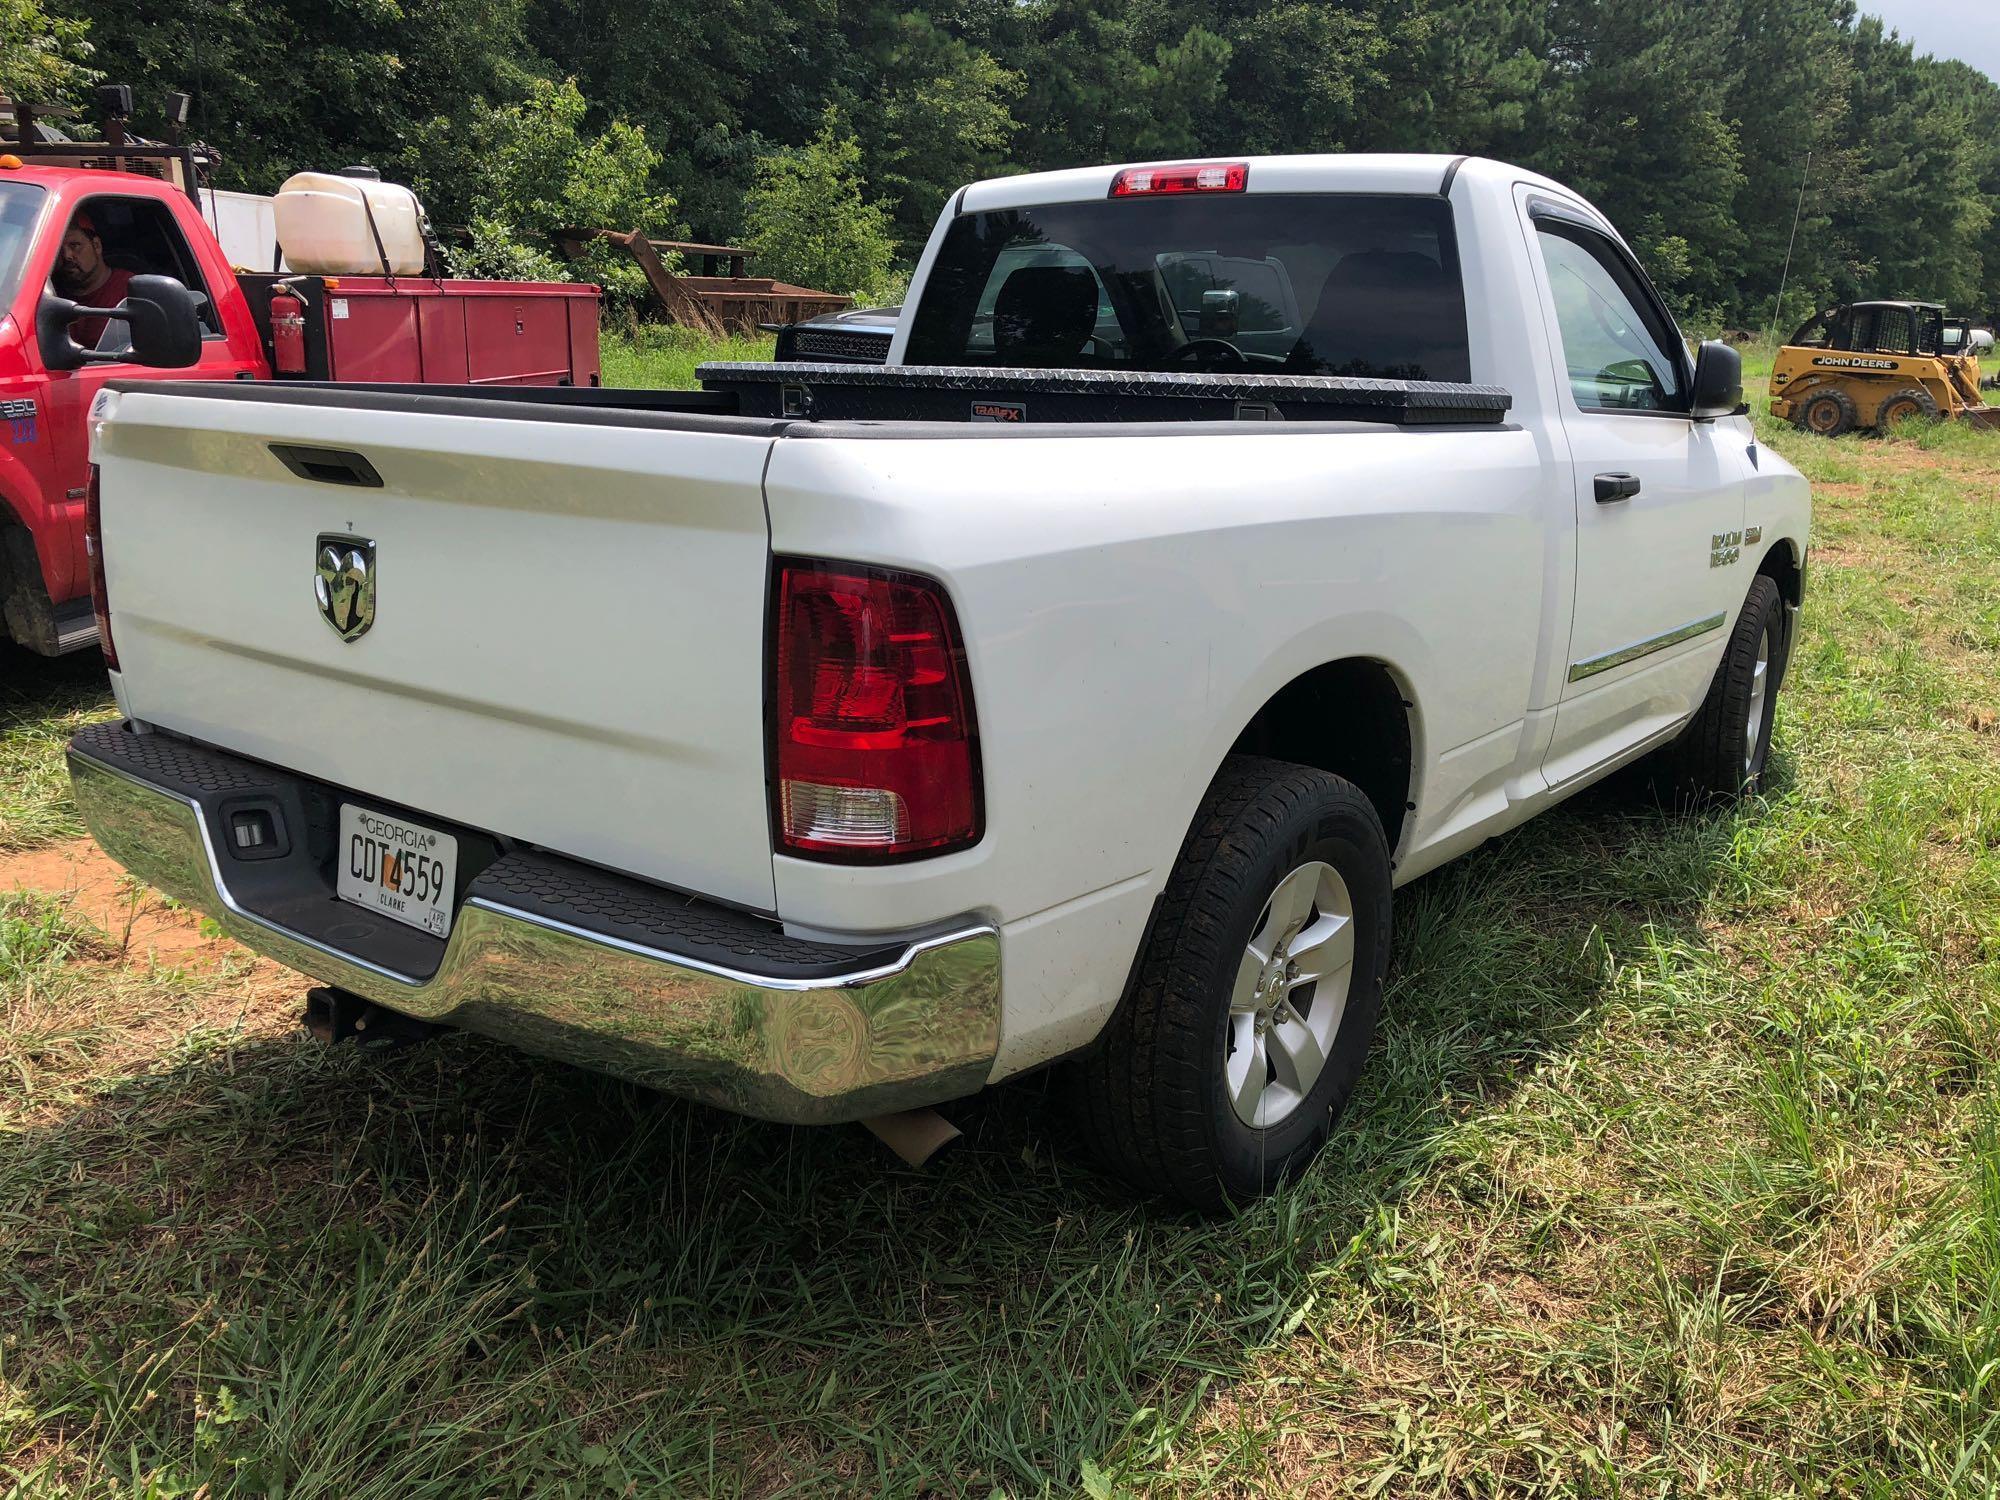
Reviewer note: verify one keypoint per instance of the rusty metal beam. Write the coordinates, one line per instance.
(675, 300)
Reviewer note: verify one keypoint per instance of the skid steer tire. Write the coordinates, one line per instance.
(1906, 405)
(1828, 413)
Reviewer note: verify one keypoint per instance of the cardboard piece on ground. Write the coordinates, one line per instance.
(913, 1134)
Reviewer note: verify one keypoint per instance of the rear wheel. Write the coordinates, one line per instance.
(1828, 413)
(1726, 747)
(1908, 405)
(1256, 996)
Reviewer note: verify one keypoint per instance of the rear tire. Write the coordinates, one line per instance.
(1907, 405)
(1726, 747)
(1828, 413)
(1221, 1073)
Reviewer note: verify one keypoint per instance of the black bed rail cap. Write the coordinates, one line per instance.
(1412, 400)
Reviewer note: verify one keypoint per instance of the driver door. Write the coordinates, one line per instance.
(1656, 495)
(143, 233)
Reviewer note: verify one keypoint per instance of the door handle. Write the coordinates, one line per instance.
(328, 465)
(1612, 487)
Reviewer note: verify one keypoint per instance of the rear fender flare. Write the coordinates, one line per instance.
(1389, 642)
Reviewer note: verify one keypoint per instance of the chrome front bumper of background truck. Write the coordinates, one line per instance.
(576, 964)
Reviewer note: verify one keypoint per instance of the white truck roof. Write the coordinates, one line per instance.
(1325, 173)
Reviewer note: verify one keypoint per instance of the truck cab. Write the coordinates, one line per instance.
(147, 227)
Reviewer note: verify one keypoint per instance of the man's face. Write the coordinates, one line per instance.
(81, 260)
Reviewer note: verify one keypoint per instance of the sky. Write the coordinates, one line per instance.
(1968, 30)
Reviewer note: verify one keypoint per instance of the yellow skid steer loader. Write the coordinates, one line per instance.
(1874, 364)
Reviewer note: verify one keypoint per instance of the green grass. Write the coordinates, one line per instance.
(42, 703)
(664, 357)
(1676, 1172)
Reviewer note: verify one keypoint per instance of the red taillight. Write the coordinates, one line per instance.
(875, 754)
(93, 545)
(1183, 177)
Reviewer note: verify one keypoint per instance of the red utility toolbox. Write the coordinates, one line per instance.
(417, 331)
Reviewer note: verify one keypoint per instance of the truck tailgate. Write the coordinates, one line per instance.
(567, 645)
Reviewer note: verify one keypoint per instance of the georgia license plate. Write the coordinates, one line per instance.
(403, 870)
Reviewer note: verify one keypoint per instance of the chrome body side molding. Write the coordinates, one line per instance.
(1624, 654)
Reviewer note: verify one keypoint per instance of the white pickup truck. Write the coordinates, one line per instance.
(1224, 544)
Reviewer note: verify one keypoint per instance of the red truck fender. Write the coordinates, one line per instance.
(32, 549)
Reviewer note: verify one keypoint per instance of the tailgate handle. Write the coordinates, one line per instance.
(328, 465)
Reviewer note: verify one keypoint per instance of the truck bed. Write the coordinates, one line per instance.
(573, 583)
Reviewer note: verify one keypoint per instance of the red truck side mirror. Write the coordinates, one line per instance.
(162, 315)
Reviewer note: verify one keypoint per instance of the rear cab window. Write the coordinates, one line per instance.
(1301, 284)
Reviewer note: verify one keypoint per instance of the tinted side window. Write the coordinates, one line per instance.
(1618, 351)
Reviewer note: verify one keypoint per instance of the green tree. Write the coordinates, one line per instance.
(714, 84)
(1298, 74)
(1986, 148)
(810, 222)
(941, 119)
(1691, 122)
(283, 86)
(524, 170)
(1638, 126)
(1787, 69)
(43, 58)
(1474, 76)
(1918, 217)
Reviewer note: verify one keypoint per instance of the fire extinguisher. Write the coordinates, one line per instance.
(288, 333)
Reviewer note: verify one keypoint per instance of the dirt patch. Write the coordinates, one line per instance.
(1881, 558)
(141, 979)
(138, 921)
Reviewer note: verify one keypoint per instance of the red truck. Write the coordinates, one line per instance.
(411, 330)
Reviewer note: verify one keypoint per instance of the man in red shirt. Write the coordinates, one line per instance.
(84, 277)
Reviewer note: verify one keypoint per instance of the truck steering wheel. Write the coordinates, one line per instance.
(1235, 355)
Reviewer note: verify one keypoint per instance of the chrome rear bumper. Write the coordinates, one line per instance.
(560, 959)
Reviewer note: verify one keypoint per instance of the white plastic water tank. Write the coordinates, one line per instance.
(323, 225)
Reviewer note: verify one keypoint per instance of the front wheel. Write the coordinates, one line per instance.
(1726, 747)
(1256, 996)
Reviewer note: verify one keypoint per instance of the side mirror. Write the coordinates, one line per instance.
(162, 315)
(53, 315)
(1718, 382)
(1221, 314)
